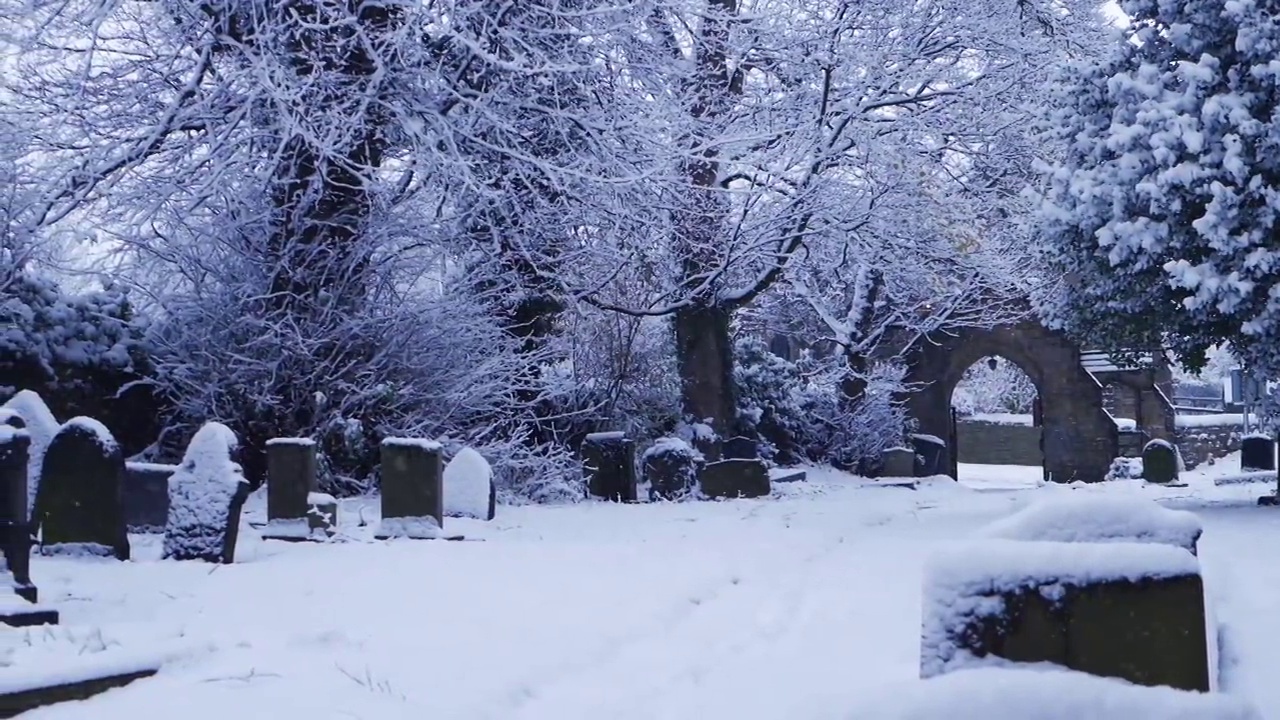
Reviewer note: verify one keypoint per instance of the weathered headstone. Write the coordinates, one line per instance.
(1159, 462)
(671, 467)
(740, 448)
(146, 496)
(468, 486)
(42, 426)
(79, 504)
(412, 489)
(898, 462)
(15, 532)
(291, 479)
(930, 455)
(206, 495)
(1257, 452)
(1133, 611)
(608, 460)
(734, 479)
(322, 515)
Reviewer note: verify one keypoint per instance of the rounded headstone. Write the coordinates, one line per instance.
(79, 504)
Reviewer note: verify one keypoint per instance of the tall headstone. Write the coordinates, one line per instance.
(42, 426)
(671, 467)
(1159, 462)
(15, 533)
(206, 495)
(609, 463)
(412, 489)
(735, 479)
(1257, 453)
(79, 504)
(291, 479)
(146, 496)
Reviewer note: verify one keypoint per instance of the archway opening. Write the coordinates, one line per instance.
(998, 436)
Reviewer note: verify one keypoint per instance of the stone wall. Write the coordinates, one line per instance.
(987, 443)
(1197, 443)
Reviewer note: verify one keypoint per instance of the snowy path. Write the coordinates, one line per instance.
(791, 607)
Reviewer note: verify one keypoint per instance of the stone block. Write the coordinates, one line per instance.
(608, 461)
(898, 462)
(146, 496)
(1257, 452)
(79, 507)
(1159, 462)
(735, 478)
(412, 474)
(291, 478)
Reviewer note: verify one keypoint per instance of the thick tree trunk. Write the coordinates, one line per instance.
(704, 355)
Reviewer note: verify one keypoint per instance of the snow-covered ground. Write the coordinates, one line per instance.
(794, 607)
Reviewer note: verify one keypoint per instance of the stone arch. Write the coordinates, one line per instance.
(1080, 439)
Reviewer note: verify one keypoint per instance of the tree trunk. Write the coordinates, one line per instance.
(704, 356)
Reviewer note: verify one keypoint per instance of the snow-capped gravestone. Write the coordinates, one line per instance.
(79, 507)
(295, 510)
(930, 455)
(412, 489)
(1093, 519)
(898, 462)
(735, 479)
(146, 496)
(42, 426)
(608, 461)
(206, 495)
(671, 467)
(468, 486)
(1133, 611)
(1257, 452)
(1159, 462)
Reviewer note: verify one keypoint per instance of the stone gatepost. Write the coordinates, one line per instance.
(295, 510)
(412, 489)
(609, 463)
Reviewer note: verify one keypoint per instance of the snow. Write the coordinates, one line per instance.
(1157, 443)
(599, 437)
(1126, 424)
(428, 445)
(804, 605)
(1214, 420)
(96, 665)
(151, 467)
(1043, 693)
(319, 498)
(42, 426)
(1256, 436)
(1090, 518)
(467, 479)
(304, 442)
(288, 528)
(92, 427)
(201, 491)
(416, 528)
(1001, 418)
(931, 439)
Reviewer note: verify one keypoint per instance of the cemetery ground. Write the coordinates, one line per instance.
(804, 605)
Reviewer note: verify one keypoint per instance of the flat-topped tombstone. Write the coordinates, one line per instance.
(146, 496)
(291, 479)
(1257, 452)
(79, 504)
(468, 486)
(671, 467)
(1159, 462)
(412, 489)
(206, 495)
(930, 455)
(15, 533)
(1133, 611)
(898, 462)
(1099, 519)
(42, 426)
(608, 461)
(735, 479)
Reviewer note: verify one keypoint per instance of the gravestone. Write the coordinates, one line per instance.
(42, 426)
(291, 479)
(206, 495)
(608, 460)
(930, 455)
(15, 532)
(740, 448)
(322, 515)
(412, 489)
(1257, 452)
(1159, 462)
(146, 496)
(1133, 611)
(468, 486)
(671, 468)
(735, 479)
(898, 462)
(79, 506)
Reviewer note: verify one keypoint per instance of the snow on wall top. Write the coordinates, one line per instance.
(931, 439)
(424, 444)
(1214, 420)
(1000, 418)
(153, 467)
(105, 439)
(1042, 692)
(604, 436)
(1098, 519)
(306, 442)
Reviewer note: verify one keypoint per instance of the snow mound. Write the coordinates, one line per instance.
(41, 426)
(202, 492)
(1090, 519)
(467, 482)
(1042, 692)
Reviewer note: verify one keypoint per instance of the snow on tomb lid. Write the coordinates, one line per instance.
(931, 439)
(431, 445)
(1158, 443)
(1098, 519)
(308, 442)
(984, 567)
(150, 467)
(605, 436)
